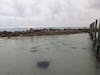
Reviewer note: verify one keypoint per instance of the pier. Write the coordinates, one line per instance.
(94, 32)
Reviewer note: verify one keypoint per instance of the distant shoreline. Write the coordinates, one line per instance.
(40, 32)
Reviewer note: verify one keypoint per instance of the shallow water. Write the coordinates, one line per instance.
(67, 55)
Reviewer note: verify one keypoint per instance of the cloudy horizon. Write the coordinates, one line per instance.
(49, 13)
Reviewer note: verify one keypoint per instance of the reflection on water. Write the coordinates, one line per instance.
(67, 54)
(98, 66)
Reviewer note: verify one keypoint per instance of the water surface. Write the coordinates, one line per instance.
(67, 54)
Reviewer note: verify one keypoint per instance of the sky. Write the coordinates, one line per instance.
(48, 13)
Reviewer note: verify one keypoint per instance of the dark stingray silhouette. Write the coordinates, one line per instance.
(43, 64)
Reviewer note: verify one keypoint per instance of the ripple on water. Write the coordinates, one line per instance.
(34, 49)
(74, 47)
(85, 48)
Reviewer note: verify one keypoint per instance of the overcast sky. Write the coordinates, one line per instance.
(38, 13)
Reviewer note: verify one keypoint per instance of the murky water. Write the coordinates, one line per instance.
(66, 54)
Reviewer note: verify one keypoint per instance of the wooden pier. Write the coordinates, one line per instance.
(94, 31)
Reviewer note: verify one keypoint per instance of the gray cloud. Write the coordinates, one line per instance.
(95, 4)
(31, 12)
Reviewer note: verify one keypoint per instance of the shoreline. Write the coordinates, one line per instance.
(42, 32)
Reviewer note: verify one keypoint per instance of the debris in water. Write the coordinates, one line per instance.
(43, 64)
